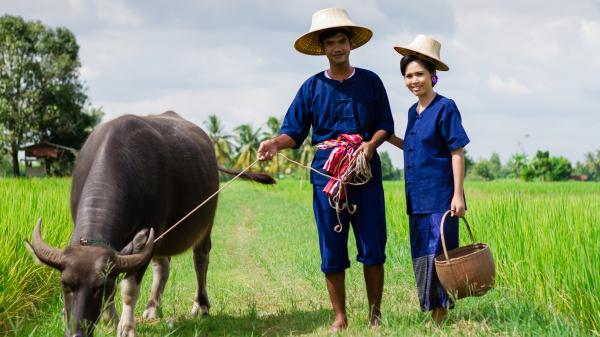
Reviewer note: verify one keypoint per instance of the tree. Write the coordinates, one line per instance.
(221, 140)
(516, 164)
(495, 166)
(273, 126)
(540, 165)
(469, 162)
(41, 95)
(388, 171)
(248, 141)
(482, 170)
(560, 168)
(592, 165)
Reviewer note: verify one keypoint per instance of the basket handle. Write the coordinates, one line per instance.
(442, 233)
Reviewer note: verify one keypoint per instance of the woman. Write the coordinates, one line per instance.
(434, 169)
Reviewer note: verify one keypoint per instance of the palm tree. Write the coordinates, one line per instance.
(221, 140)
(248, 141)
(273, 127)
(306, 152)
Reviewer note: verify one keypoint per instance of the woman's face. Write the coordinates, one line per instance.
(417, 79)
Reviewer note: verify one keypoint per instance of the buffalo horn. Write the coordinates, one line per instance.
(48, 255)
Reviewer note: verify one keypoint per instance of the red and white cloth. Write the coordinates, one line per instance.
(338, 162)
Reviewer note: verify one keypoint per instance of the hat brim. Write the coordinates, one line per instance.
(309, 43)
(439, 65)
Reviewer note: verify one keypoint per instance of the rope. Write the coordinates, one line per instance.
(205, 201)
(358, 173)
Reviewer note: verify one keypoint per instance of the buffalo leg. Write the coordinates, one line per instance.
(201, 252)
(160, 275)
(109, 312)
(130, 291)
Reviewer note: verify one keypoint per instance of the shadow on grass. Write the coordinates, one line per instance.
(250, 324)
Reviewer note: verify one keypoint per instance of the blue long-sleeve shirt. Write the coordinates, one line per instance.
(358, 104)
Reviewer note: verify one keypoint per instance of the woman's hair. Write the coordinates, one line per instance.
(410, 58)
(333, 32)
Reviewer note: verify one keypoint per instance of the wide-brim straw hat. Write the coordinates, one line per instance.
(425, 47)
(325, 19)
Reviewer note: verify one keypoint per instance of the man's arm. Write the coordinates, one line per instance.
(269, 148)
(369, 147)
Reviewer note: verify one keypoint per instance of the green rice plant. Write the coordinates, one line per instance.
(264, 277)
(25, 285)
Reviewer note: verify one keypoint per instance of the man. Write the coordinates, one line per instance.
(351, 101)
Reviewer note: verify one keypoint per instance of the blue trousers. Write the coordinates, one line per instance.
(368, 226)
(425, 244)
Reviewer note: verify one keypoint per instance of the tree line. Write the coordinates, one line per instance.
(540, 167)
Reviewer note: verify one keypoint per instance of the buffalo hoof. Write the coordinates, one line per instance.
(125, 330)
(199, 310)
(151, 313)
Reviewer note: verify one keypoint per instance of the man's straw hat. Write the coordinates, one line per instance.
(326, 19)
(425, 47)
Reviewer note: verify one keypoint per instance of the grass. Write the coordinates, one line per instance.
(264, 277)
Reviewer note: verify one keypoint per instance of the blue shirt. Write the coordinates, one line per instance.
(428, 142)
(358, 104)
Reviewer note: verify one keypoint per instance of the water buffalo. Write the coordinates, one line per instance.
(134, 177)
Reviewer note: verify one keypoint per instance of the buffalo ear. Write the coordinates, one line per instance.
(137, 244)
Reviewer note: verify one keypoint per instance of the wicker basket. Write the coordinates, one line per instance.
(465, 271)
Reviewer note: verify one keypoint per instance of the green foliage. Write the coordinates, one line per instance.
(590, 167)
(41, 95)
(546, 168)
(489, 169)
(388, 171)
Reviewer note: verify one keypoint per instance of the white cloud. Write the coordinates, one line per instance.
(508, 86)
(591, 31)
(117, 12)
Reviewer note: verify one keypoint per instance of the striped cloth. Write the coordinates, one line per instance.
(337, 164)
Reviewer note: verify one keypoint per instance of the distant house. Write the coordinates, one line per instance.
(39, 156)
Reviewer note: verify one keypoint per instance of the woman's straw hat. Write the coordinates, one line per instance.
(425, 47)
(326, 19)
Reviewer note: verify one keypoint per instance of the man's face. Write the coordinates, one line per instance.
(337, 49)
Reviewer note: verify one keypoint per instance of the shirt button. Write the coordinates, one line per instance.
(411, 149)
(412, 132)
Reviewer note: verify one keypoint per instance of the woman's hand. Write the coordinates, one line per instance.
(457, 207)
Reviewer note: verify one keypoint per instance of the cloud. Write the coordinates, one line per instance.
(509, 86)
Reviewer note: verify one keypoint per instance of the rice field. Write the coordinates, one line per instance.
(264, 277)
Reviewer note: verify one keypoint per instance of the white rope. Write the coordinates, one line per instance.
(205, 201)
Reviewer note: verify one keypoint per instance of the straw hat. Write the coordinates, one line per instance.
(326, 19)
(425, 47)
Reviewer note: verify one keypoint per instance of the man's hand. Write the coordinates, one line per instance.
(367, 148)
(457, 206)
(267, 150)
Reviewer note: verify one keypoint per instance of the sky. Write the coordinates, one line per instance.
(524, 74)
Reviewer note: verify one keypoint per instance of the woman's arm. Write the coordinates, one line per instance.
(457, 207)
(398, 142)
